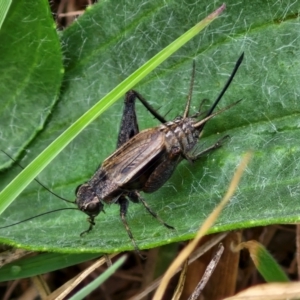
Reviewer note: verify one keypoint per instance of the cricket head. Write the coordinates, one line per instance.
(87, 200)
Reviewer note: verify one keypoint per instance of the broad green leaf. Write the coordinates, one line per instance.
(106, 45)
(31, 73)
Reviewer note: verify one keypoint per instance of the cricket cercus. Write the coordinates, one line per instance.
(144, 160)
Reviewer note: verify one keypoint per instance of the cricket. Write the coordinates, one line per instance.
(144, 161)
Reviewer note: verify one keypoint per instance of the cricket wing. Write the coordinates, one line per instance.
(131, 158)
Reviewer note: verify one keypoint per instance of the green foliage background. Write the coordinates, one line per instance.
(50, 79)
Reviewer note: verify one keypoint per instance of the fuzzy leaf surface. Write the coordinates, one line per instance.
(101, 49)
(31, 74)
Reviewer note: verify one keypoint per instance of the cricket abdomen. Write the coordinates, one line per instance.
(180, 133)
(180, 138)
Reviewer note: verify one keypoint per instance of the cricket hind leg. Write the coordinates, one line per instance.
(136, 197)
(154, 113)
(124, 203)
(216, 145)
(129, 126)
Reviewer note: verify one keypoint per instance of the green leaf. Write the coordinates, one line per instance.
(31, 74)
(104, 47)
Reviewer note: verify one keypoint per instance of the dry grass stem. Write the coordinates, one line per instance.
(203, 229)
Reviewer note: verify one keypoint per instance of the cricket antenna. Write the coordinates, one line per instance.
(237, 65)
(47, 189)
(45, 213)
(188, 103)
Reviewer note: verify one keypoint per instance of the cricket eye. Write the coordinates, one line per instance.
(93, 207)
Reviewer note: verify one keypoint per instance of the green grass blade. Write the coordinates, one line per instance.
(94, 284)
(266, 265)
(4, 8)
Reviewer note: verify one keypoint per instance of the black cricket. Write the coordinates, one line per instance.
(144, 160)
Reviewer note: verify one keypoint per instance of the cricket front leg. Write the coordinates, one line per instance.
(124, 203)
